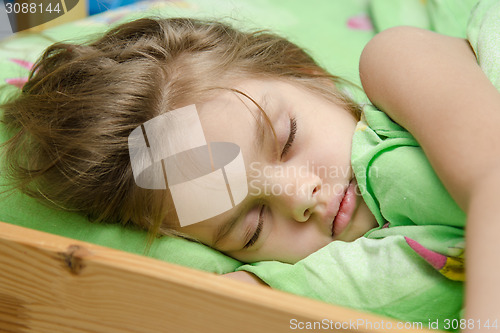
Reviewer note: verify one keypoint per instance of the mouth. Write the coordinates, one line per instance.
(345, 211)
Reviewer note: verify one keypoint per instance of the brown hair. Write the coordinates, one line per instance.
(71, 122)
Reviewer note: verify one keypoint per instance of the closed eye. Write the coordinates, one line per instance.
(258, 230)
(291, 137)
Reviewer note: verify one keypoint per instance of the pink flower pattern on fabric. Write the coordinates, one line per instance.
(451, 267)
(20, 81)
(360, 22)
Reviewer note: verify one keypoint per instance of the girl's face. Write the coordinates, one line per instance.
(302, 193)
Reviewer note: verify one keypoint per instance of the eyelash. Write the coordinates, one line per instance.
(256, 235)
(291, 137)
(286, 148)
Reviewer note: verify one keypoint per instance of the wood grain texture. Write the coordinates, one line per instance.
(51, 284)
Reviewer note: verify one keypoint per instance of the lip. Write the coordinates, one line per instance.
(345, 210)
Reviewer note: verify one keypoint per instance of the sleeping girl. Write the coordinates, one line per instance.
(343, 203)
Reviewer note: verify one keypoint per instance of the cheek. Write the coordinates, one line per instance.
(338, 147)
(201, 232)
(332, 161)
(334, 137)
(289, 244)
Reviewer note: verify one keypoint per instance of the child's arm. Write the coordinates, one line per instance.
(432, 85)
(483, 272)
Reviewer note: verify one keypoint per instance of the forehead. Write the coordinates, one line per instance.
(231, 114)
(241, 115)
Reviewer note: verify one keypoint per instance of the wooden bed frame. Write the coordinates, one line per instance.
(54, 284)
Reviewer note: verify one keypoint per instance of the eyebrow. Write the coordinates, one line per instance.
(226, 228)
(260, 131)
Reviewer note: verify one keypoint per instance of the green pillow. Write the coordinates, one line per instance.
(333, 32)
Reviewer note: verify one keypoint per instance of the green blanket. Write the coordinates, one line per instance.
(483, 34)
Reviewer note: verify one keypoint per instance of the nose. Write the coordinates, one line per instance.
(303, 203)
(294, 194)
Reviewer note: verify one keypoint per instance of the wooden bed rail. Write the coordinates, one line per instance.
(54, 284)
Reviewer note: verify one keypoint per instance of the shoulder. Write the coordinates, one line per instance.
(404, 42)
(404, 61)
(432, 85)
